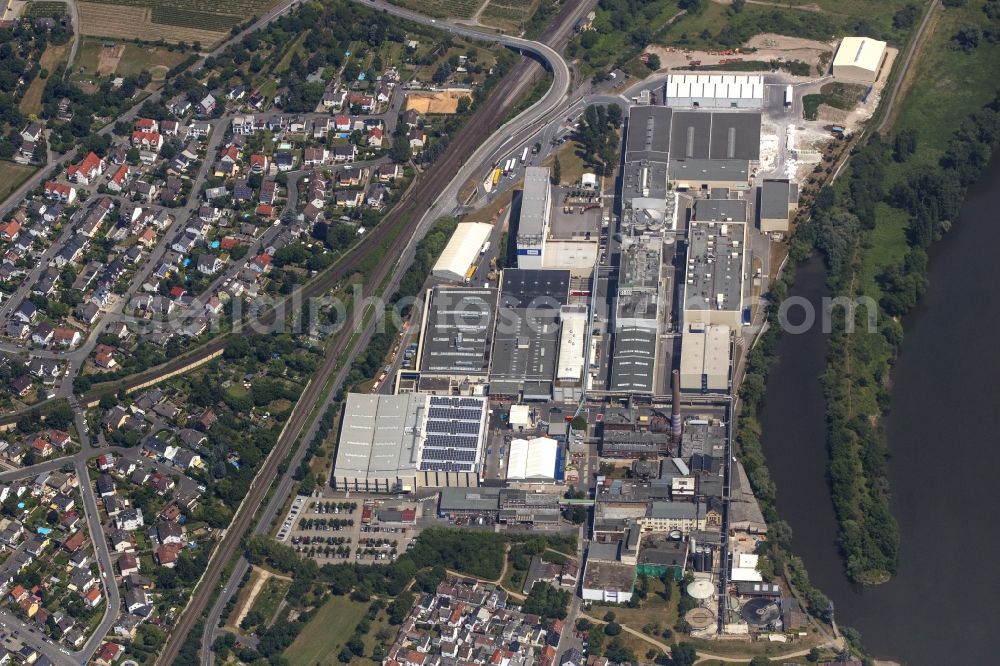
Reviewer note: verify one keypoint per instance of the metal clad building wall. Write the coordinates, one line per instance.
(715, 91)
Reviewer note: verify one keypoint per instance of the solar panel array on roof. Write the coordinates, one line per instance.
(454, 433)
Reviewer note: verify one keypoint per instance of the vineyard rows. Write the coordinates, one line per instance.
(240, 9)
(134, 22)
(54, 9)
(442, 8)
(189, 18)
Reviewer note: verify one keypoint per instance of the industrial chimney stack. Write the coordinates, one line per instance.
(675, 416)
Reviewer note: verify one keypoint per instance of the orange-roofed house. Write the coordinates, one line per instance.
(74, 542)
(230, 154)
(105, 359)
(265, 210)
(41, 446)
(147, 140)
(258, 163)
(93, 597)
(89, 168)
(147, 237)
(261, 263)
(118, 179)
(59, 192)
(59, 438)
(66, 337)
(10, 231)
(147, 125)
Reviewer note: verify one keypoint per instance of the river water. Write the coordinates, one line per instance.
(944, 434)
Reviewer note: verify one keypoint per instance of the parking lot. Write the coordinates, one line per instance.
(338, 527)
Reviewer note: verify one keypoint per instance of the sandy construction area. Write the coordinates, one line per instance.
(769, 47)
(443, 101)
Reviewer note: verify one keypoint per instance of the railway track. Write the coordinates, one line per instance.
(406, 215)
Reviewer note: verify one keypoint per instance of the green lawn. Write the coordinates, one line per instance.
(270, 597)
(947, 85)
(716, 24)
(326, 633)
(12, 176)
(137, 58)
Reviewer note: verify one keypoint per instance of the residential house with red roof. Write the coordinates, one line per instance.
(147, 140)
(118, 180)
(87, 170)
(10, 231)
(59, 192)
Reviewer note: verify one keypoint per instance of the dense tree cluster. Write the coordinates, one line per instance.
(598, 136)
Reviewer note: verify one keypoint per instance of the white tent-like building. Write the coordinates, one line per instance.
(462, 251)
(858, 59)
(715, 91)
(533, 459)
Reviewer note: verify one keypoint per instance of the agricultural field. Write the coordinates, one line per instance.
(508, 15)
(443, 8)
(45, 8)
(54, 54)
(173, 21)
(12, 176)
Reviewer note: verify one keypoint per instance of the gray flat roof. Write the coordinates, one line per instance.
(469, 499)
(634, 358)
(735, 136)
(719, 135)
(648, 133)
(525, 342)
(525, 287)
(644, 179)
(377, 437)
(607, 552)
(691, 135)
(457, 333)
(708, 171)
(720, 210)
(775, 195)
(534, 202)
(676, 510)
(601, 575)
(703, 438)
(715, 266)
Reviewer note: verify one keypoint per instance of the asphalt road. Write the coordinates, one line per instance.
(447, 176)
(59, 654)
(450, 171)
(36, 180)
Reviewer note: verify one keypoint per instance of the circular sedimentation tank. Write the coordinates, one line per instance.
(760, 612)
(700, 618)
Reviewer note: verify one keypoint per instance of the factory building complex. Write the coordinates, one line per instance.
(630, 316)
